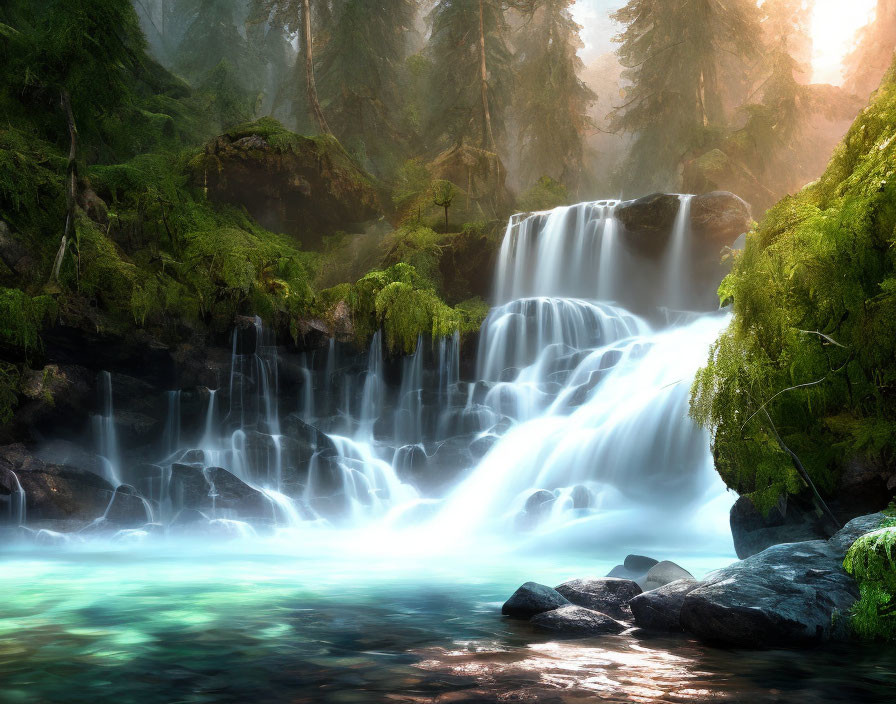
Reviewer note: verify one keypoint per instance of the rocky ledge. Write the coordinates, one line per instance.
(794, 594)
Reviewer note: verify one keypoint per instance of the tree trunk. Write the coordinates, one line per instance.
(488, 137)
(71, 177)
(446, 219)
(313, 103)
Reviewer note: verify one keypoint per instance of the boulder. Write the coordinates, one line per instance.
(639, 563)
(307, 187)
(232, 494)
(606, 594)
(663, 573)
(660, 609)
(532, 599)
(843, 539)
(720, 217)
(648, 222)
(127, 509)
(537, 507)
(52, 492)
(576, 622)
(789, 522)
(787, 595)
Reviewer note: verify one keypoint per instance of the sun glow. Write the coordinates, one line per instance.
(834, 27)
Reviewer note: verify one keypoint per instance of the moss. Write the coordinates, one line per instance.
(21, 319)
(9, 390)
(810, 342)
(418, 246)
(872, 561)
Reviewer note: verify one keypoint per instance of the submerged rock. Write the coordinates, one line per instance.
(660, 609)
(532, 599)
(577, 622)
(606, 594)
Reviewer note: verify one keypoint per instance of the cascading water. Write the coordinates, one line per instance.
(105, 433)
(575, 429)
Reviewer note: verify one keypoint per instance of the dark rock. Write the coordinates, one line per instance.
(639, 563)
(189, 516)
(787, 595)
(16, 256)
(720, 217)
(531, 599)
(664, 573)
(843, 539)
(56, 399)
(607, 595)
(51, 491)
(788, 522)
(302, 186)
(660, 609)
(127, 508)
(231, 493)
(648, 222)
(309, 439)
(581, 497)
(537, 507)
(576, 622)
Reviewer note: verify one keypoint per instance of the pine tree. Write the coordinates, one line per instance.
(296, 17)
(869, 61)
(471, 77)
(212, 36)
(551, 100)
(360, 69)
(675, 56)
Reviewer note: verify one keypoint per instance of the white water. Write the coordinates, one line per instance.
(576, 433)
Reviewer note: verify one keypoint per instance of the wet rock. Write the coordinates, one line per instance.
(660, 609)
(480, 447)
(606, 594)
(576, 622)
(51, 491)
(720, 217)
(57, 398)
(788, 522)
(309, 439)
(581, 497)
(663, 573)
(648, 222)
(127, 508)
(232, 494)
(532, 599)
(537, 507)
(787, 595)
(843, 539)
(189, 516)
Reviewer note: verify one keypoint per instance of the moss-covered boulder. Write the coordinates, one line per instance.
(807, 366)
(307, 187)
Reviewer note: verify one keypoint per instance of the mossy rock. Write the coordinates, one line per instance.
(307, 187)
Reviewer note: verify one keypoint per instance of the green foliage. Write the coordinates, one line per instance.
(551, 99)
(21, 319)
(9, 387)
(455, 109)
(678, 57)
(872, 561)
(419, 247)
(546, 194)
(814, 320)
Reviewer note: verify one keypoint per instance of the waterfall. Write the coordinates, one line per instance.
(105, 433)
(574, 427)
(17, 502)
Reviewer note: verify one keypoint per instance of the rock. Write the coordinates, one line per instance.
(307, 187)
(532, 599)
(233, 494)
(787, 523)
(787, 595)
(576, 621)
(660, 609)
(639, 563)
(843, 539)
(57, 399)
(581, 497)
(664, 573)
(720, 217)
(127, 508)
(648, 222)
(607, 595)
(52, 492)
(188, 517)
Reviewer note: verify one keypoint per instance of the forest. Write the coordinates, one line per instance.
(422, 298)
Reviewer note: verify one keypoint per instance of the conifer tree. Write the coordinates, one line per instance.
(551, 100)
(471, 77)
(675, 56)
(296, 17)
(360, 70)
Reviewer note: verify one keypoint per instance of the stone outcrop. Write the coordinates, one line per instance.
(301, 186)
(532, 599)
(660, 609)
(576, 622)
(607, 595)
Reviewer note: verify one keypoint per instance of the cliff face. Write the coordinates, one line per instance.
(807, 365)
